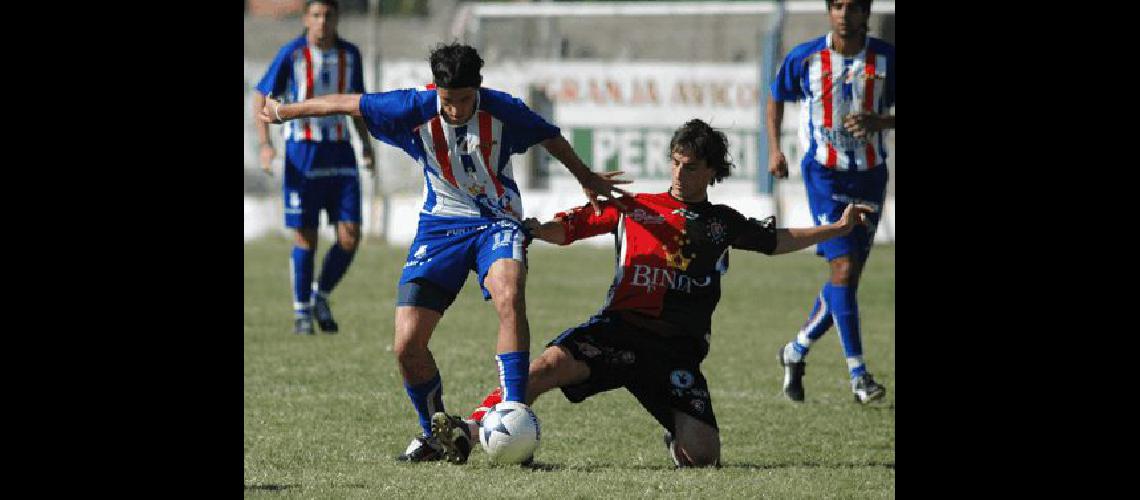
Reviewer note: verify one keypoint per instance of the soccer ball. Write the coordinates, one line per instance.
(509, 433)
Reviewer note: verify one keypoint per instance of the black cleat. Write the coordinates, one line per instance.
(454, 437)
(866, 389)
(422, 449)
(793, 376)
(324, 314)
(303, 326)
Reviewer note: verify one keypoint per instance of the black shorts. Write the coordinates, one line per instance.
(663, 373)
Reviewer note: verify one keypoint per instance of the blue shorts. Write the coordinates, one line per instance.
(445, 249)
(830, 191)
(320, 176)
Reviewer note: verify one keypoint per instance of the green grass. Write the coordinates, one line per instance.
(325, 415)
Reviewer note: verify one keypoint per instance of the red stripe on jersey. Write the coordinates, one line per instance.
(430, 86)
(340, 90)
(486, 142)
(825, 79)
(308, 90)
(869, 100)
(441, 156)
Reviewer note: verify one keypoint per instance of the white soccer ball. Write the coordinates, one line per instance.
(509, 433)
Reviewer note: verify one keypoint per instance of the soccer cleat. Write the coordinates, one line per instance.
(793, 376)
(324, 314)
(422, 449)
(866, 389)
(454, 437)
(303, 326)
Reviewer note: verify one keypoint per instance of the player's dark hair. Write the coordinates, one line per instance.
(455, 66)
(333, 4)
(696, 138)
(866, 4)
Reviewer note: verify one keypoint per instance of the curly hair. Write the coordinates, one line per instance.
(697, 138)
(455, 65)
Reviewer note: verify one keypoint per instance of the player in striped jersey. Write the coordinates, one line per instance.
(320, 164)
(463, 136)
(846, 81)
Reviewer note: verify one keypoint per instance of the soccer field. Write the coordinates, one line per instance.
(326, 415)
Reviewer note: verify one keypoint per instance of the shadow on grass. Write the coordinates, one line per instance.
(270, 487)
(283, 487)
(547, 467)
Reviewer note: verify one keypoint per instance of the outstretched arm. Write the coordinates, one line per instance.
(792, 239)
(550, 231)
(335, 104)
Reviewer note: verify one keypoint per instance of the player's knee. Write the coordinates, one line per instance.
(841, 271)
(306, 238)
(409, 352)
(348, 243)
(348, 238)
(507, 296)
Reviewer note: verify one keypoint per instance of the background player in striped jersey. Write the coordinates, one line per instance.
(463, 135)
(654, 329)
(320, 164)
(847, 82)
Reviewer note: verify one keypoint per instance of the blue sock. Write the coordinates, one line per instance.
(335, 264)
(816, 325)
(428, 399)
(513, 368)
(845, 311)
(301, 265)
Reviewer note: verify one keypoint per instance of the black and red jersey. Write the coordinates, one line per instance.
(670, 254)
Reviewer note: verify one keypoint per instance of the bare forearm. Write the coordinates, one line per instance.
(563, 152)
(262, 127)
(775, 120)
(550, 232)
(336, 104)
(886, 121)
(798, 238)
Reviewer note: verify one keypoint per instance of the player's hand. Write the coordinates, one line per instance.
(268, 112)
(854, 215)
(604, 184)
(368, 158)
(862, 124)
(267, 154)
(778, 164)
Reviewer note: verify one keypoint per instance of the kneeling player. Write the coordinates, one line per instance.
(654, 329)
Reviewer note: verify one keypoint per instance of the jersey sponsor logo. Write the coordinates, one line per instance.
(650, 277)
(681, 379)
(644, 217)
(294, 199)
(841, 138)
(822, 219)
(420, 252)
(464, 230)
